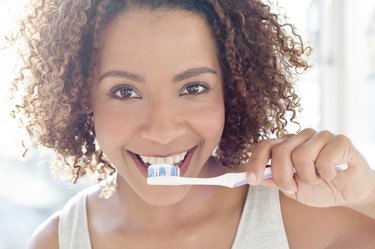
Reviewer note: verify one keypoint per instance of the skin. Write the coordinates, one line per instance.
(160, 119)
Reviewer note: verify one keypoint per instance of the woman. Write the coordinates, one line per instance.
(113, 86)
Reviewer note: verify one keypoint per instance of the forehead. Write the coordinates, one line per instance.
(154, 36)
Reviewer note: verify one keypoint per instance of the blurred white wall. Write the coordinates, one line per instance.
(338, 93)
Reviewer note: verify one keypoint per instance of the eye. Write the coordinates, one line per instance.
(124, 92)
(195, 88)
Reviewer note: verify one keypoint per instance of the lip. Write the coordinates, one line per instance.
(183, 166)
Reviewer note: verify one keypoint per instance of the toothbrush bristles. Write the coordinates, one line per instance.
(156, 170)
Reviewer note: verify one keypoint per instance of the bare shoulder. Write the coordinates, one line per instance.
(336, 227)
(46, 235)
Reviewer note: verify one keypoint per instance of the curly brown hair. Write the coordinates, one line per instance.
(259, 57)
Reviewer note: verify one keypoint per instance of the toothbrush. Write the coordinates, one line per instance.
(166, 174)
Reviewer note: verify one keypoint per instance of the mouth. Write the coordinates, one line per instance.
(173, 160)
(181, 160)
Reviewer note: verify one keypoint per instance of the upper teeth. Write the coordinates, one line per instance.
(175, 159)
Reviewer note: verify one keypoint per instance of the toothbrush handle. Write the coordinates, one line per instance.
(229, 179)
(175, 180)
(268, 172)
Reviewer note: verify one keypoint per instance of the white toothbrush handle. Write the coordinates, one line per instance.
(267, 175)
(228, 180)
(218, 180)
(268, 172)
(223, 180)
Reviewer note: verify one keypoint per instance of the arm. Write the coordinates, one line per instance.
(46, 235)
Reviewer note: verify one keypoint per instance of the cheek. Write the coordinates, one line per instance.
(210, 123)
(111, 127)
(112, 122)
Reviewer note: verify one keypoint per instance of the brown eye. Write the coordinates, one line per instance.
(195, 89)
(124, 92)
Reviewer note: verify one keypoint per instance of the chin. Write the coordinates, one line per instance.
(165, 195)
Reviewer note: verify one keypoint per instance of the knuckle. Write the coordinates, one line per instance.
(309, 131)
(263, 143)
(342, 139)
(326, 134)
(260, 146)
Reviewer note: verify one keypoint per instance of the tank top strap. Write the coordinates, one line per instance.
(261, 224)
(73, 228)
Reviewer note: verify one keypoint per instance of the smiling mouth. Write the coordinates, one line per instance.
(175, 160)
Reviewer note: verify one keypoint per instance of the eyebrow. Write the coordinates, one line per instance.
(189, 73)
(121, 74)
(192, 72)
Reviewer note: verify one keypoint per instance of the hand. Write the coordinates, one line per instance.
(314, 155)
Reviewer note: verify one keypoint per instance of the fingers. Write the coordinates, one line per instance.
(282, 160)
(310, 154)
(338, 151)
(304, 157)
(260, 157)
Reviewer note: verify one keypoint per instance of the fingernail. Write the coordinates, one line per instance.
(252, 178)
(289, 192)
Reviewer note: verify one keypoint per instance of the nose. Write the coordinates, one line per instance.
(163, 123)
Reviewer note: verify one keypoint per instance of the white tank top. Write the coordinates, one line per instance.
(261, 225)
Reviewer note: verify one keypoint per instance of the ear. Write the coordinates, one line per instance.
(88, 110)
(214, 152)
(87, 107)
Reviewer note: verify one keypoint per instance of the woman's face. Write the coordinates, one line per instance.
(158, 97)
